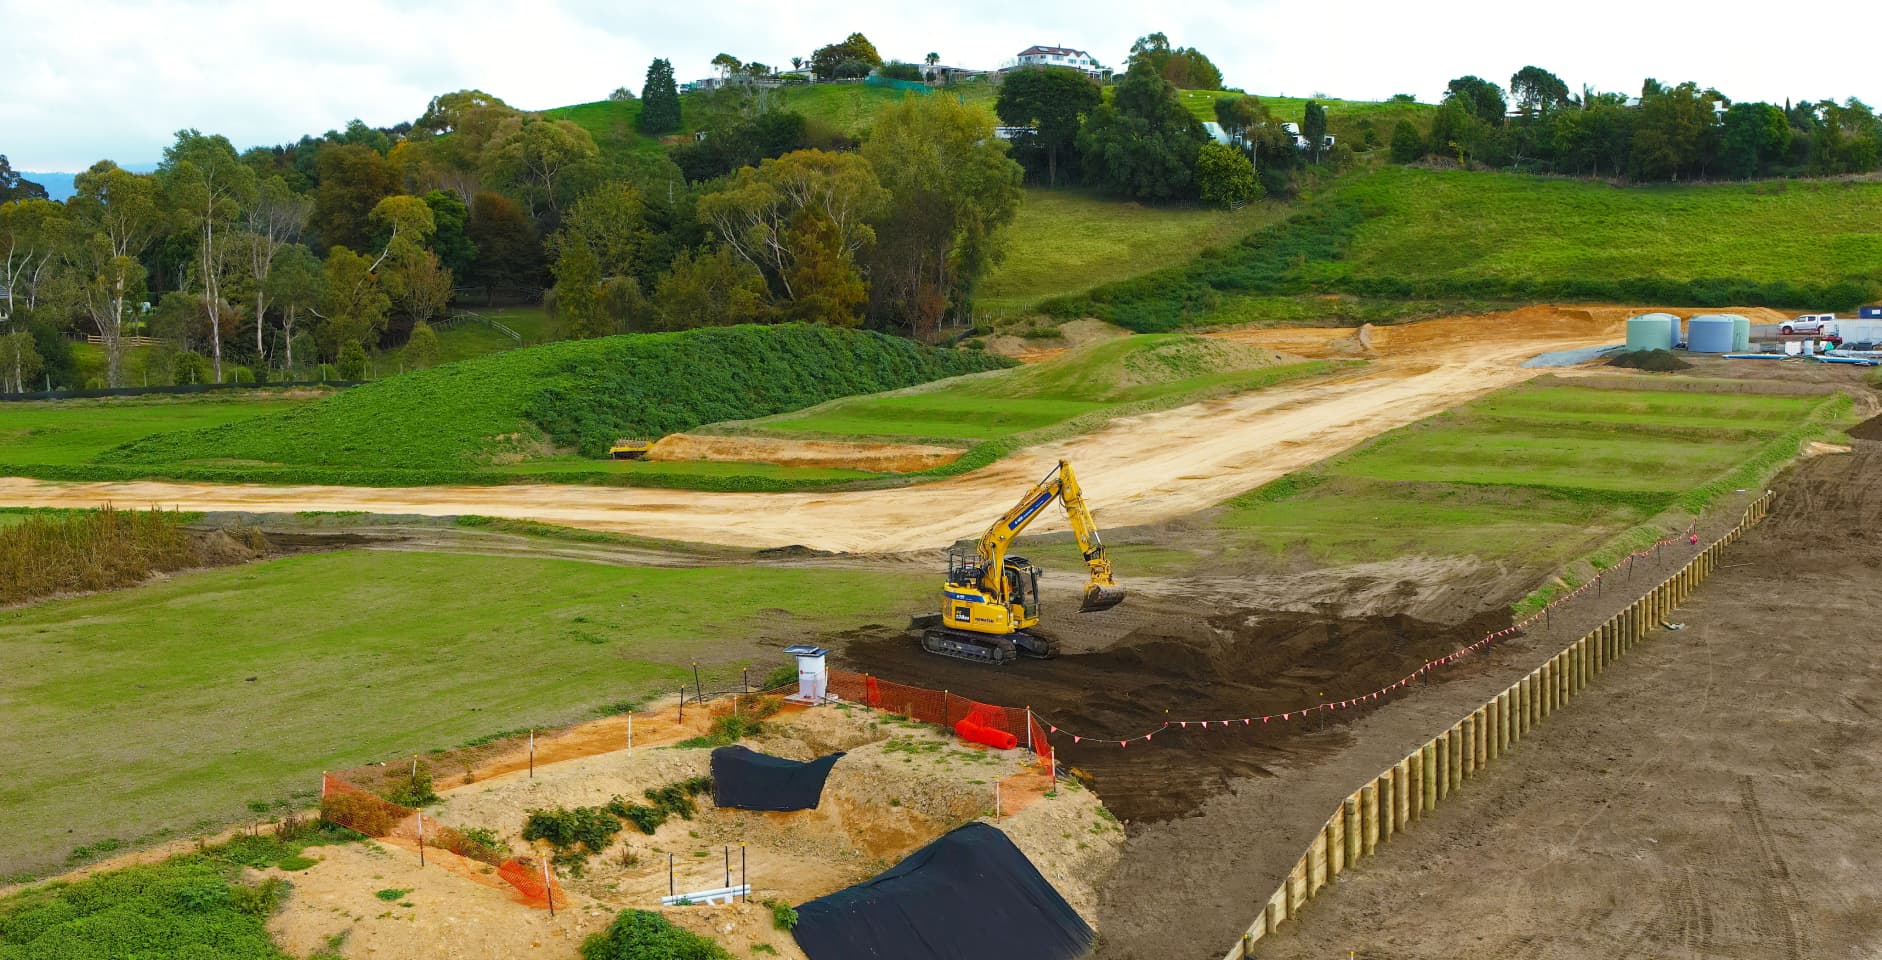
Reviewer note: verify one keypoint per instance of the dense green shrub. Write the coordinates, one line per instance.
(564, 829)
(576, 394)
(674, 799)
(414, 789)
(642, 935)
(189, 906)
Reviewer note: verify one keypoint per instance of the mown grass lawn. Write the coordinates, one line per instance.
(176, 704)
(1540, 474)
(75, 431)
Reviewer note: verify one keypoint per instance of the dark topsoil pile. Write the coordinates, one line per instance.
(1177, 665)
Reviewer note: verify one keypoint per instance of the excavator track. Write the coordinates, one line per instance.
(975, 647)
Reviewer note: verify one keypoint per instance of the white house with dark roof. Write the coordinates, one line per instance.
(1043, 56)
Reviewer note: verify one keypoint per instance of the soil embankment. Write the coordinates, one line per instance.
(791, 452)
(1713, 797)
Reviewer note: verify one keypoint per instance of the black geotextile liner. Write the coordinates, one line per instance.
(971, 895)
(749, 780)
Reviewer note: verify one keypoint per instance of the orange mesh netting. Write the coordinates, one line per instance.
(367, 813)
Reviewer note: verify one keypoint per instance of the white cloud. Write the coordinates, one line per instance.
(115, 78)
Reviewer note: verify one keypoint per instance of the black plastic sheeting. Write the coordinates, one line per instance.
(749, 780)
(971, 894)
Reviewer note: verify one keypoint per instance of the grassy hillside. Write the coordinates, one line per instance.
(1085, 385)
(184, 701)
(1067, 240)
(1411, 234)
(1346, 119)
(524, 404)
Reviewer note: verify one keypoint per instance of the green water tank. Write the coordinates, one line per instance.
(1652, 331)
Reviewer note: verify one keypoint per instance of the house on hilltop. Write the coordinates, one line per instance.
(1043, 56)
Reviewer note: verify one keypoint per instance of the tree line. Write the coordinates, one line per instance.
(252, 264)
(1144, 143)
(1670, 132)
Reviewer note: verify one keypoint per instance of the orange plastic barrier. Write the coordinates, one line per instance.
(368, 813)
(973, 732)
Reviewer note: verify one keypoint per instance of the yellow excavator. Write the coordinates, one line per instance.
(991, 599)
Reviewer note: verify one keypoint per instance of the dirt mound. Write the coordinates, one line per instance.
(1235, 663)
(1070, 335)
(788, 452)
(1652, 361)
(1870, 429)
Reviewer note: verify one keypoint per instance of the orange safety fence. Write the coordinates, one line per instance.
(985, 723)
(367, 813)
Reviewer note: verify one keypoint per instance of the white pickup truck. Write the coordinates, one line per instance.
(1809, 324)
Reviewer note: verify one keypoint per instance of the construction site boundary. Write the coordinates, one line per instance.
(532, 879)
(1391, 802)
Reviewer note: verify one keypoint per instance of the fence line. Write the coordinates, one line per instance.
(1401, 795)
(534, 881)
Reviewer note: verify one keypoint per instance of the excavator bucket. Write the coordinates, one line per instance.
(1100, 596)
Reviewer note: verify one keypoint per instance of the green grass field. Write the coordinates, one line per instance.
(75, 431)
(1346, 119)
(1068, 240)
(1092, 380)
(1403, 239)
(171, 706)
(1463, 226)
(1539, 475)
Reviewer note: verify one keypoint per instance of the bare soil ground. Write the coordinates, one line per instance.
(874, 457)
(900, 786)
(1713, 797)
(1136, 470)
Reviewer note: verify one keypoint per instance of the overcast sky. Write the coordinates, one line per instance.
(85, 79)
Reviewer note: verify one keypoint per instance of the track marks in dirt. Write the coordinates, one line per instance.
(1782, 900)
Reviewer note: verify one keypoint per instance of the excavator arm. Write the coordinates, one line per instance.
(1101, 591)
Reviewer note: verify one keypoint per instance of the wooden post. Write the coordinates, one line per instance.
(1353, 828)
(1297, 888)
(1455, 775)
(1483, 735)
(1369, 817)
(1496, 715)
(1401, 795)
(1317, 864)
(1333, 834)
(1443, 742)
(1387, 787)
(1427, 777)
(1467, 764)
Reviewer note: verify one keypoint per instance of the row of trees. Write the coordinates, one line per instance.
(1144, 143)
(895, 234)
(1668, 133)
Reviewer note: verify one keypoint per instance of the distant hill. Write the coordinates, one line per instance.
(59, 186)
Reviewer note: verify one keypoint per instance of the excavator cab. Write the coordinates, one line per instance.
(991, 599)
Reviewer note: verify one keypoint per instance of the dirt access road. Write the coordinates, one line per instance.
(1136, 470)
(1712, 797)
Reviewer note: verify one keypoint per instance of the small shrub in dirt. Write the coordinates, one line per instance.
(641, 935)
(414, 789)
(783, 915)
(261, 900)
(590, 827)
(487, 839)
(359, 811)
(1652, 361)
